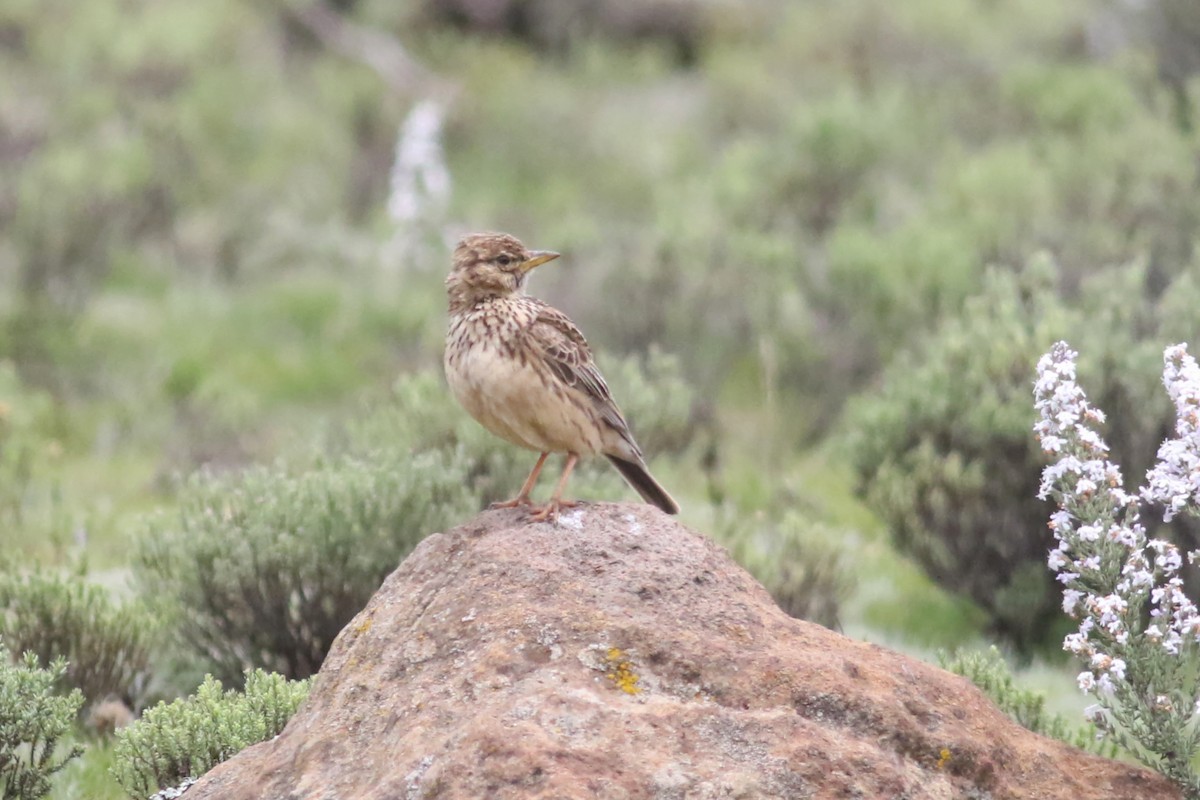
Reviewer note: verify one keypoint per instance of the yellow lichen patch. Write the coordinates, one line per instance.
(943, 758)
(620, 671)
(363, 626)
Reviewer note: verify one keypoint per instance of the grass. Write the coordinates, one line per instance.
(89, 776)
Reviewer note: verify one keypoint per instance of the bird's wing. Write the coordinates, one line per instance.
(567, 354)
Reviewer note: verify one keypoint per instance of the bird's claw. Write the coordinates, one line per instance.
(549, 512)
(516, 502)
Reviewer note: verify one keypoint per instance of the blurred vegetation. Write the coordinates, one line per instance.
(943, 453)
(818, 245)
(106, 645)
(266, 568)
(802, 564)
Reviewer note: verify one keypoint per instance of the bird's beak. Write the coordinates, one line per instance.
(537, 258)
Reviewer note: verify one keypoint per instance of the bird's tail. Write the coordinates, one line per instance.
(640, 478)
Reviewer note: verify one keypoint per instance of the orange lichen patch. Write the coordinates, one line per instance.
(620, 671)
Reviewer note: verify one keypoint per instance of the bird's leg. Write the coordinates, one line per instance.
(551, 509)
(522, 499)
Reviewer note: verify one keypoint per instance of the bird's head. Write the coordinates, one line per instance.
(488, 265)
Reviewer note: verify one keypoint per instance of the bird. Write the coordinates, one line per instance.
(524, 371)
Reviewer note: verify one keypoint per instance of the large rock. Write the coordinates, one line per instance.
(618, 654)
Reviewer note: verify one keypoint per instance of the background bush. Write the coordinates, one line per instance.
(805, 566)
(265, 568)
(29, 452)
(943, 451)
(106, 646)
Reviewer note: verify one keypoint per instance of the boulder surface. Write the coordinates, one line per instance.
(617, 654)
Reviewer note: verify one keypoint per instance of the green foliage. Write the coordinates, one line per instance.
(28, 451)
(89, 776)
(188, 737)
(943, 452)
(106, 645)
(1175, 32)
(33, 720)
(850, 211)
(988, 670)
(169, 141)
(801, 563)
(264, 568)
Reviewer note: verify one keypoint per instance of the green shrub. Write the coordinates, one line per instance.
(28, 451)
(942, 450)
(263, 569)
(801, 563)
(33, 720)
(197, 150)
(1174, 28)
(988, 670)
(188, 737)
(106, 645)
(922, 178)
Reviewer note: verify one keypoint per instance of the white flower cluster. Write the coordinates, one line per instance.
(419, 190)
(419, 178)
(1107, 567)
(1175, 481)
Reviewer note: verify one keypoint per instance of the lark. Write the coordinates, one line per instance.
(525, 372)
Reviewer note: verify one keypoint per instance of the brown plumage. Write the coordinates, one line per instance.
(525, 372)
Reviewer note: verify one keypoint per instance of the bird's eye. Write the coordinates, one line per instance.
(504, 260)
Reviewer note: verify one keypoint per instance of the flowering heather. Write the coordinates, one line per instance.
(1175, 481)
(419, 178)
(1141, 668)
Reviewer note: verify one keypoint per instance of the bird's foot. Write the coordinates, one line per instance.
(549, 512)
(516, 502)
